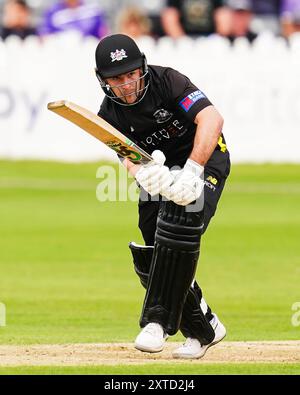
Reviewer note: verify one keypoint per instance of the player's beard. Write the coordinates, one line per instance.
(129, 97)
(132, 97)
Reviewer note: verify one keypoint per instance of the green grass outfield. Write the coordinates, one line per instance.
(161, 369)
(66, 274)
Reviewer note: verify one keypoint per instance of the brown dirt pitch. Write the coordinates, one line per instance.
(125, 354)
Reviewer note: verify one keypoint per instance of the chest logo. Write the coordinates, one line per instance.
(162, 115)
(118, 55)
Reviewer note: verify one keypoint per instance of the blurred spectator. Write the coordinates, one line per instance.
(290, 17)
(192, 17)
(153, 9)
(242, 15)
(133, 22)
(266, 16)
(77, 15)
(223, 21)
(16, 20)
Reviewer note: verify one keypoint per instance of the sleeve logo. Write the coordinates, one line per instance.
(192, 98)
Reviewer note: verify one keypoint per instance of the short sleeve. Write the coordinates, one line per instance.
(184, 95)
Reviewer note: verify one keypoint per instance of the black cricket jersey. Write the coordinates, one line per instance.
(164, 119)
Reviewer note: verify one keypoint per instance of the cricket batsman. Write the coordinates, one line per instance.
(164, 113)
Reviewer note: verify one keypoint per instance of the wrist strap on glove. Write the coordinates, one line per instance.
(194, 167)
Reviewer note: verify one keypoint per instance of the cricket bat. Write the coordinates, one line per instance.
(102, 130)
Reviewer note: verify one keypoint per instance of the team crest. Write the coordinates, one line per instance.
(162, 115)
(118, 55)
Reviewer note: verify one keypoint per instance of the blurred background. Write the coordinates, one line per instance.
(244, 54)
(65, 270)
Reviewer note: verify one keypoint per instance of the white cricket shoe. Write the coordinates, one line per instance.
(192, 348)
(151, 339)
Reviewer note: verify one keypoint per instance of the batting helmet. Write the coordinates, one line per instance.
(115, 55)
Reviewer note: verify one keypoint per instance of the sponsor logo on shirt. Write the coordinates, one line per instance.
(162, 115)
(213, 180)
(175, 129)
(191, 99)
(211, 183)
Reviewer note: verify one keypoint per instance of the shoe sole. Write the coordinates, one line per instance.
(197, 356)
(146, 349)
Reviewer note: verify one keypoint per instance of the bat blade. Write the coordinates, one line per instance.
(101, 130)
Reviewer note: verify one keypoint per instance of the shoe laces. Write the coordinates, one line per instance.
(189, 342)
(154, 329)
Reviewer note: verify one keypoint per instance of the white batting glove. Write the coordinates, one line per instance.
(155, 177)
(188, 184)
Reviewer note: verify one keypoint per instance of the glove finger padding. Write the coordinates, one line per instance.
(145, 172)
(156, 182)
(188, 184)
(189, 193)
(156, 174)
(166, 179)
(154, 177)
